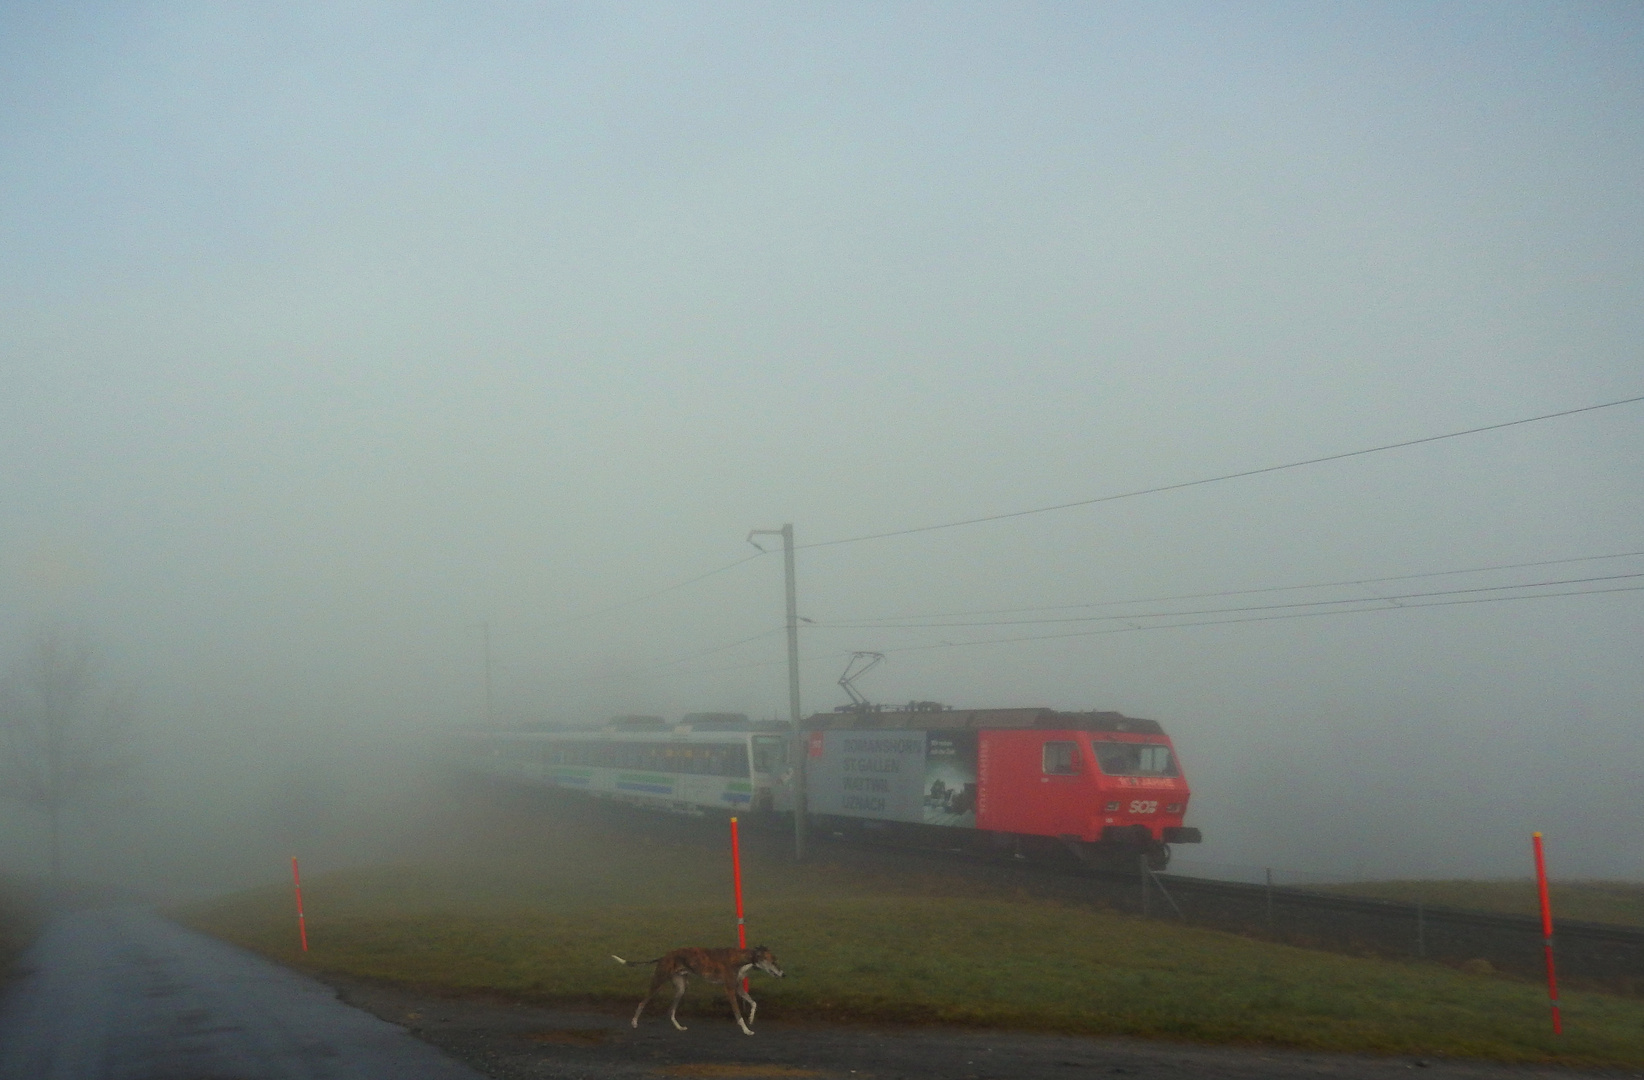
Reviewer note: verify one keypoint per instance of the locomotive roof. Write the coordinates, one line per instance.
(678, 733)
(972, 719)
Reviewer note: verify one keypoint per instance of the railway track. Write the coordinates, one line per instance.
(1600, 955)
(1597, 955)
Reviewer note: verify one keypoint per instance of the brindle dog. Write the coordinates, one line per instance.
(727, 967)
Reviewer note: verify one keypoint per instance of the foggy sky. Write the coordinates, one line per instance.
(329, 333)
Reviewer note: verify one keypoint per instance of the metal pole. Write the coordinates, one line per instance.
(799, 800)
(800, 803)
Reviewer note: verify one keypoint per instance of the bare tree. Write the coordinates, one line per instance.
(59, 745)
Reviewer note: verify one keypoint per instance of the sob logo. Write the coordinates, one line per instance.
(1143, 806)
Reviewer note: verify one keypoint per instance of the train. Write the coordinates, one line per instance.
(1106, 788)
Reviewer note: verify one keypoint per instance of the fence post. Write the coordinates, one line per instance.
(1141, 873)
(302, 923)
(1547, 932)
(736, 876)
(1270, 899)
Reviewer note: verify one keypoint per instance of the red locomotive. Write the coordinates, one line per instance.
(1107, 787)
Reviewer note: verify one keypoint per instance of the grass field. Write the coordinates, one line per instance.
(515, 904)
(1591, 901)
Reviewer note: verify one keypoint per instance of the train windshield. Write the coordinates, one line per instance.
(770, 753)
(1135, 759)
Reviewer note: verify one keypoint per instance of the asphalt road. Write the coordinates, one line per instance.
(514, 1041)
(118, 993)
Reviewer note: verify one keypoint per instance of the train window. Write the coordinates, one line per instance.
(1135, 759)
(770, 753)
(1061, 758)
(728, 761)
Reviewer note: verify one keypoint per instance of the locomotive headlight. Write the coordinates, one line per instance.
(1174, 808)
(1113, 808)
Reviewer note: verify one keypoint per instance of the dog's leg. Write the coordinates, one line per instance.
(679, 993)
(644, 1001)
(731, 992)
(657, 979)
(741, 985)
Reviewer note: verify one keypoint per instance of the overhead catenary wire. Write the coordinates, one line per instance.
(886, 623)
(1260, 618)
(1387, 605)
(1181, 485)
(1102, 499)
(1248, 607)
(891, 619)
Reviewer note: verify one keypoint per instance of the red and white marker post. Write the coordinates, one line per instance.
(736, 876)
(1547, 933)
(302, 926)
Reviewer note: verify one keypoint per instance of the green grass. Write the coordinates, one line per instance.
(1590, 901)
(532, 911)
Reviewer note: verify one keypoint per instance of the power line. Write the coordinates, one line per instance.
(652, 670)
(1248, 607)
(1260, 618)
(1218, 479)
(889, 619)
(1104, 499)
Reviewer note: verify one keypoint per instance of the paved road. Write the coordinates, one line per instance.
(513, 1041)
(118, 993)
(122, 994)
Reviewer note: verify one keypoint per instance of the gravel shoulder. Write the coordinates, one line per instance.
(512, 1041)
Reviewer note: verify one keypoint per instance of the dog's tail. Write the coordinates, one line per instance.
(633, 963)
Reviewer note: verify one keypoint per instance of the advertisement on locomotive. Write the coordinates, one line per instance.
(924, 777)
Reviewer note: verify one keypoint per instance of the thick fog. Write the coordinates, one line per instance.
(338, 340)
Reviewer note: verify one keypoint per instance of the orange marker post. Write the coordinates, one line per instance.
(302, 926)
(736, 876)
(1547, 933)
